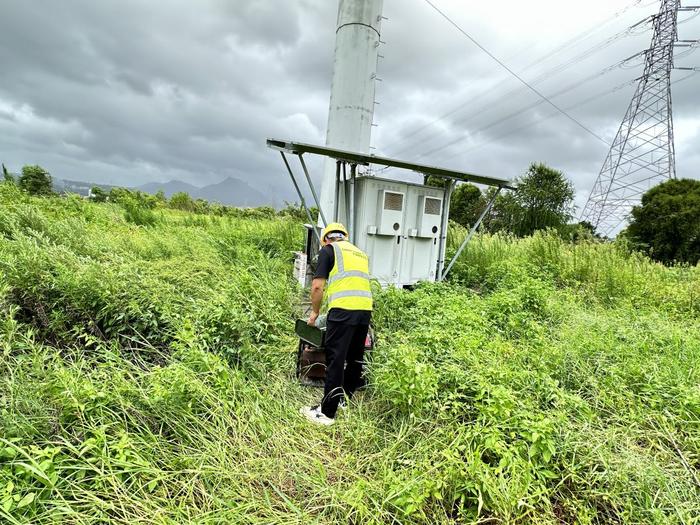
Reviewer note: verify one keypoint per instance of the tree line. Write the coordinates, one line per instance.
(37, 181)
(665, 226)
(544, 200)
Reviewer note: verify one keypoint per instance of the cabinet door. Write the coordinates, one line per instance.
(386, 258)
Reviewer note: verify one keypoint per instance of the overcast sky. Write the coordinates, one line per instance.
(132, 91)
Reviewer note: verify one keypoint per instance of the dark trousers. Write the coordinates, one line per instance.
(344, 343)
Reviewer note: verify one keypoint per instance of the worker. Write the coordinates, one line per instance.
(346, 270)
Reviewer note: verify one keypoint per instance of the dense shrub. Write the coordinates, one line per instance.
(35, 180)
(605, 273)
(136, 213)
(667, 223)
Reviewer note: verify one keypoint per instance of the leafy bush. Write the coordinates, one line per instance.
(35, 180)
(135, 213)
(97, 194)
(542, 200)
(667, 224)
(182, 201)
(605, 273)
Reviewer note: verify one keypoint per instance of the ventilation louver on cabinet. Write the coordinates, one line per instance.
(393, 201)
(432, 206)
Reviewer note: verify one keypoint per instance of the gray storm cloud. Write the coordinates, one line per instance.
(131, 92)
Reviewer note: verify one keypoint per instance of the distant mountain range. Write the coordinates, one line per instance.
(230, 191)
(169, 188)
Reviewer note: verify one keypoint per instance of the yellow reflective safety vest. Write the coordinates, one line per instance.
(348, 280)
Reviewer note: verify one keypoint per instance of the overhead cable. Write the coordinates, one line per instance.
(569, 108)
(514, 74)
(562, 91)
(489, 91)
(570, 87)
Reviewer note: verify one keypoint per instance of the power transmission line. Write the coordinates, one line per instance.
(543, 99)
(532, 123)
(634, 161)
(514, 74)
(692, 46)
(489, 91)
(567, 89)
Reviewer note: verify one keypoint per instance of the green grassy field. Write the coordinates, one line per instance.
(147, 364)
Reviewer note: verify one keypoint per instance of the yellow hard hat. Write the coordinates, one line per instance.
(333, 227)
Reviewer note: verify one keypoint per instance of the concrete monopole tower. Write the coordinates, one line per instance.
(352, 102)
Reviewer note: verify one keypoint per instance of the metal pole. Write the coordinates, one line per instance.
(301, 197)
(446, 195)
(313, 190)
(346, 193)
(337, 191)
(351, 220)
(472, 232)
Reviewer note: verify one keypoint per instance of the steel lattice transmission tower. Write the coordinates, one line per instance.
(642, 153)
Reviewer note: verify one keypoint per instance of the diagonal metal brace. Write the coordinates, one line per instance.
(301, 196)
(471, 233)
(313, 189)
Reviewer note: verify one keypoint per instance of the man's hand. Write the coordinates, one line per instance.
(312, 319)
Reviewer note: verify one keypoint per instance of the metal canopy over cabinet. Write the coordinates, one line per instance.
(299, 148)
(401, 226)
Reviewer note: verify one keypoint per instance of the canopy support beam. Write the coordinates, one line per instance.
(444, 221)
(300, 194)
(313, 189)
(471, 233)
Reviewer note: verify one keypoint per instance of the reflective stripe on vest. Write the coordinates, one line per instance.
(351, 273)
(348, 281)
(349, 293)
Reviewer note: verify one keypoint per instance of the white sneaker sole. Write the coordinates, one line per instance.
(311, 416)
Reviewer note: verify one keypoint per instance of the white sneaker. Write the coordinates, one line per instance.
(315, 415)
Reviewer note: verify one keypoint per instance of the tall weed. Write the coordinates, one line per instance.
(607, 273)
